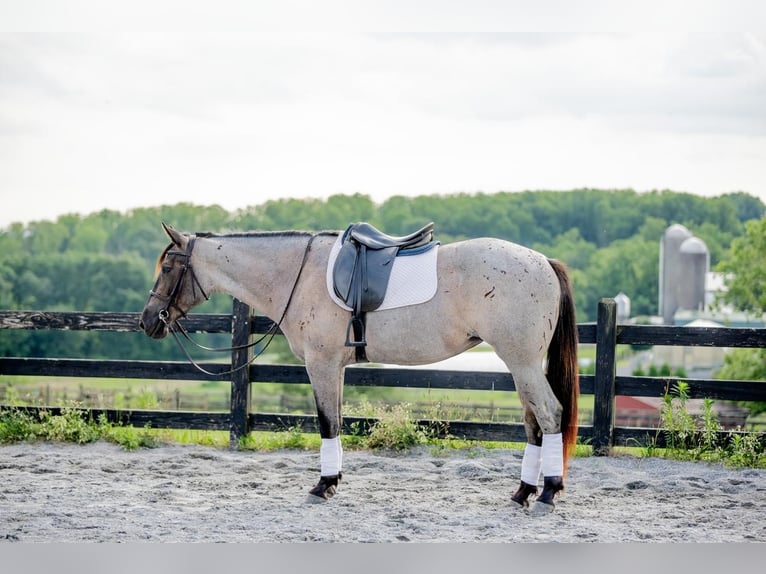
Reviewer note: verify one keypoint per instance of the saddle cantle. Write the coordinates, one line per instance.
(363, 268)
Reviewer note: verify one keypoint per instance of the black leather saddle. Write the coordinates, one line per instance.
(363, 268)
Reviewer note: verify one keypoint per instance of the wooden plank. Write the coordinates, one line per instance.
(282, 422)
(110, 369)
(698, 388)
(263, 373)
(587, 383)
(429, 379)
(586, 333)
(690, 336)
(501, 432)
(260, 325)
(207, 323)
(638, 437)
(642, 437)
(68, 321)
(604, 382)
(505, 432)
(154, 419)
(120, 322)
(392, 377)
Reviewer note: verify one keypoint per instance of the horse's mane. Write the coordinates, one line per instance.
(243, 234)
(290, 233)
(161, 258)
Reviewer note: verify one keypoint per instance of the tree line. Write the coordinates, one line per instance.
(104, 261)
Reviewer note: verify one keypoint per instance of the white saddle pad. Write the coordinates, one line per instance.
(412, 281)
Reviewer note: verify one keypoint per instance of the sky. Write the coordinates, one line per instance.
(92, 121)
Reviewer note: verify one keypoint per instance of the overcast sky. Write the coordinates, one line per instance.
(118, 121)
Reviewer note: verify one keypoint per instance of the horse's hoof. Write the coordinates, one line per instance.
(552, 485)
(324, 490)
(520, 498)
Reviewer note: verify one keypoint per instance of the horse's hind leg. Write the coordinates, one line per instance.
(531, 462)
(544, 452)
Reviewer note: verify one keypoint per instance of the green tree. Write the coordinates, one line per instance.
(569, 247)
(627, 265)
(746, 282)
(746, 269)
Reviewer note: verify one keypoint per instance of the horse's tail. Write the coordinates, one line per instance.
(562, 361)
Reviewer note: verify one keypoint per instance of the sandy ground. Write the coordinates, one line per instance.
(99, 492)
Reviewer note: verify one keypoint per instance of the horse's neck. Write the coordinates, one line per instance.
(258, 269)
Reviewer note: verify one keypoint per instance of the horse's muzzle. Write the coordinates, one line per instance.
(153, 327)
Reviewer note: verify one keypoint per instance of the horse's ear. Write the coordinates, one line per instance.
(175, 236)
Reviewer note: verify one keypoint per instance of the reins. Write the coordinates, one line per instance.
(163, 314)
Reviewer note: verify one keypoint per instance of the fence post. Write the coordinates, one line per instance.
(240, 379)
(603, 391)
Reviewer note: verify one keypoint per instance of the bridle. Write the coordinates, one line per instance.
(175, 327)
(170, 300)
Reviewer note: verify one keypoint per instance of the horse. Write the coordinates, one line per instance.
(513, 298)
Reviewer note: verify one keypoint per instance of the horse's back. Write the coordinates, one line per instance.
(489, 290)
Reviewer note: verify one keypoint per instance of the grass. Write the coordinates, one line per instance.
(396, 430)
(72, 425)
(701, 438)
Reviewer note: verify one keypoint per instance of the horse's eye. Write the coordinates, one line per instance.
(167, 268)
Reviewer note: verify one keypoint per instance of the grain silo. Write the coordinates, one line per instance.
(671, 272)
(695, 264)
(623, 307)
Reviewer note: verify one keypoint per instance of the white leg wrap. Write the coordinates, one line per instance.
(553, 455)
(531, 464)
(330, 456)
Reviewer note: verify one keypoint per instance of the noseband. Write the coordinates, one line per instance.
(170, 300)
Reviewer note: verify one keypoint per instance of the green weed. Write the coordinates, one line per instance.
(395, 429)
(701, 438)
(69, 426)
(16, 426)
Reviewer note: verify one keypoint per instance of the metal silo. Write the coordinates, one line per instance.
(695, 263)
(671, 273)
(623, 307)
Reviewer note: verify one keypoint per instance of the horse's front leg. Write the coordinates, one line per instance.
(327, 383)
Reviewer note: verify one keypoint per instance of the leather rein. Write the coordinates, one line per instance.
(171, 301)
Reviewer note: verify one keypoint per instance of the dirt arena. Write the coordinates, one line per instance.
(99, 492)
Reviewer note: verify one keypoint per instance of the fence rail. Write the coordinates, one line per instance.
(605, 385)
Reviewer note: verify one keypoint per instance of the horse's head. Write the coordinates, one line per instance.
(176, 289)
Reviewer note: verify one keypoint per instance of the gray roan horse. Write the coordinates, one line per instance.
(515, 299)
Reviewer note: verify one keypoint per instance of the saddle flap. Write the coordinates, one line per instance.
(360, 277)
(343, 272)
(379, 264)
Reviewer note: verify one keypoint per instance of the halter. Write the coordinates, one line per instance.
(171, 302)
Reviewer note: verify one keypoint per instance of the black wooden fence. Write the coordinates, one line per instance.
(606, 334)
